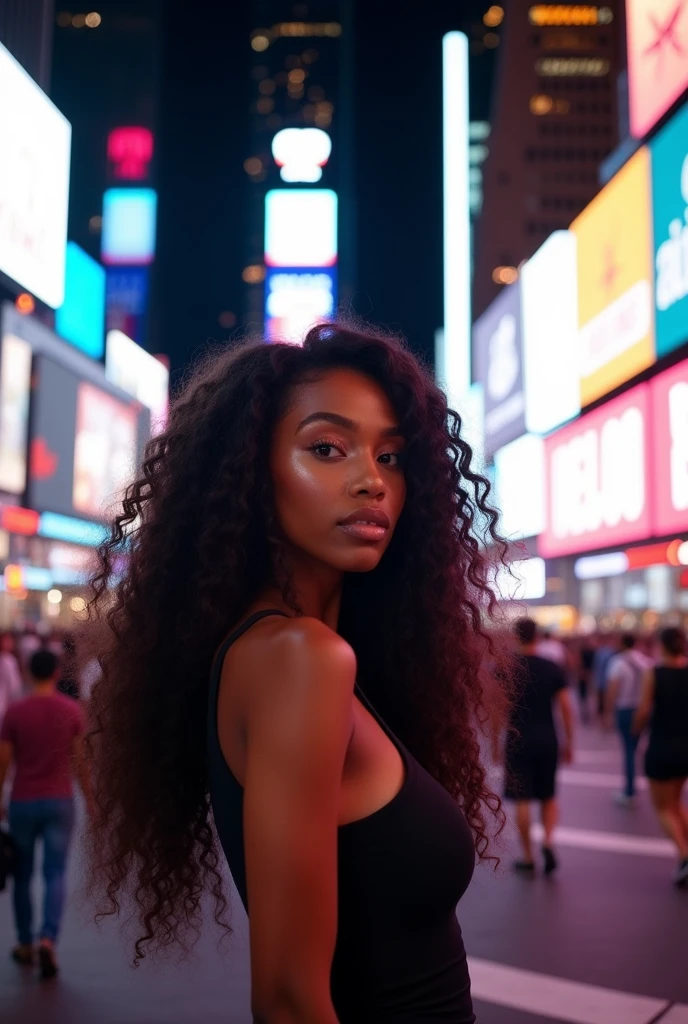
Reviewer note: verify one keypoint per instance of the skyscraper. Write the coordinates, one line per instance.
(555, 120)
(301, 82)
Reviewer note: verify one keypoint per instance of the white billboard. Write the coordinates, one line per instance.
(549, 311)
(520, 487)
(140, 374)
(35, 147)
(301, 227)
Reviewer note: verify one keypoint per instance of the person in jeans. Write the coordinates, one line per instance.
(42, 735)
(624, 686)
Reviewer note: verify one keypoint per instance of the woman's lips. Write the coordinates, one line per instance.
(364, 531)
(369, 524)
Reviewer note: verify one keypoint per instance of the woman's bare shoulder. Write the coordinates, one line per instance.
(284, 656)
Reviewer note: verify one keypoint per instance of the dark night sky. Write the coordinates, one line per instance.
(203, 140)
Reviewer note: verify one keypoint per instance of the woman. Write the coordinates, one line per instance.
(298, 646)
(664, 703)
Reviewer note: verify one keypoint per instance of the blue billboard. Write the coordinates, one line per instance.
(670, 212)
(129, 226)
(81, 317)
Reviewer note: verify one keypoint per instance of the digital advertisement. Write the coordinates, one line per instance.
(615, 281)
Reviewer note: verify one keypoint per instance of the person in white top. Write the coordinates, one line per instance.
(625, 681)
(10, 677)
(552, 650)
(11, 689)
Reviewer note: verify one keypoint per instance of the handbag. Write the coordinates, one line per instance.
(8, 857)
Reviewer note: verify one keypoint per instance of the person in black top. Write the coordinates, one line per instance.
(532, 748)
(664, 704)
(294, 657)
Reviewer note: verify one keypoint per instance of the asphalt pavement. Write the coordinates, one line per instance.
(601, 942)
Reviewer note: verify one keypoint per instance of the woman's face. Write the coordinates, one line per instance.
(337, 470)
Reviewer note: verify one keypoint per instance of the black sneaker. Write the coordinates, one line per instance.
(524, 867)
(47, 962)
(23, 955)
(681, 876)
(551, 862)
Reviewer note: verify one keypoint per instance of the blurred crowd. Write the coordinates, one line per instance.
(16, 649)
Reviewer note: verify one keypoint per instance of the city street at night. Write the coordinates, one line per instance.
(603, 942)
(343, 486)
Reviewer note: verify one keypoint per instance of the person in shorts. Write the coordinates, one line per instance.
(532, 746)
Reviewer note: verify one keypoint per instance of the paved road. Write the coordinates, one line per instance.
(602, 943)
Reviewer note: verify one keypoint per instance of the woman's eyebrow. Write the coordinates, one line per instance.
(343, 421)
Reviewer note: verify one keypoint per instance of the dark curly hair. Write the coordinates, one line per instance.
(197, 540)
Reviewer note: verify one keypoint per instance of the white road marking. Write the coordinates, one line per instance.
(598, 780)
(678, 1014)
(570, 1001)
(609, 842)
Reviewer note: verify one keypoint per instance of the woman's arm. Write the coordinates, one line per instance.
(647, 699)
(298, 725)
(566, 710)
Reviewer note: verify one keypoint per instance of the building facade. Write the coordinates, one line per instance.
(555, 120)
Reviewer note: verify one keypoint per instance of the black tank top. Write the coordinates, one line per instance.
(669, 724)
(399, 954)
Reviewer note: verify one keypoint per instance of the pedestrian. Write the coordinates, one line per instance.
(532, 748)
(664, 704)
(586, 659)
(10, 677)
(606, 650)
(552, 649)
(297, 645)
(42, 737)
(624, 685)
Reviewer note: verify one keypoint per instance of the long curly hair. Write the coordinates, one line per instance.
(195, 542)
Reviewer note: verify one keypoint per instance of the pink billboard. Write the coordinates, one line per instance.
(670, 450)
(657, 33)
(596, 478)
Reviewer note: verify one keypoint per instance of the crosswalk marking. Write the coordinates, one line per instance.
(608, 842)
(677, 1014)
(597, 780)
(572, 1001)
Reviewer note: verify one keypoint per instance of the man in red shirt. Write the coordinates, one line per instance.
(42, 734)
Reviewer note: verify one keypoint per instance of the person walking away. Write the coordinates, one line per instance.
(600, 668)
(11, 685)
(10, 676)
(42, 736)
(532, 748)
(664, 704)
(551, 649)
(585, 675)
(624, 685)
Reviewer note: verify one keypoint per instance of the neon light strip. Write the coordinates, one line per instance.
(457, 239)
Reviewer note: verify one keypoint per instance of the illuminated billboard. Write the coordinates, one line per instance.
(657, 34)
(301, 259)
(670, 213)
(297, 299)
(301, 227)
(130, 151)
(549, 301)
(129, 219)
(670, 449)
(498, 355)
(81, 317)
(35, 147)
(615, 275)
(301, 153)
(131, 368)
(522, 506)
(597, 478)
(84, 449)
(15, 389)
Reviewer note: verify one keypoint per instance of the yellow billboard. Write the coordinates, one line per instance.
(615, 265)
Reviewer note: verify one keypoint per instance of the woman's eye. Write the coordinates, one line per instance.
(391, 459)
(323, 449)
